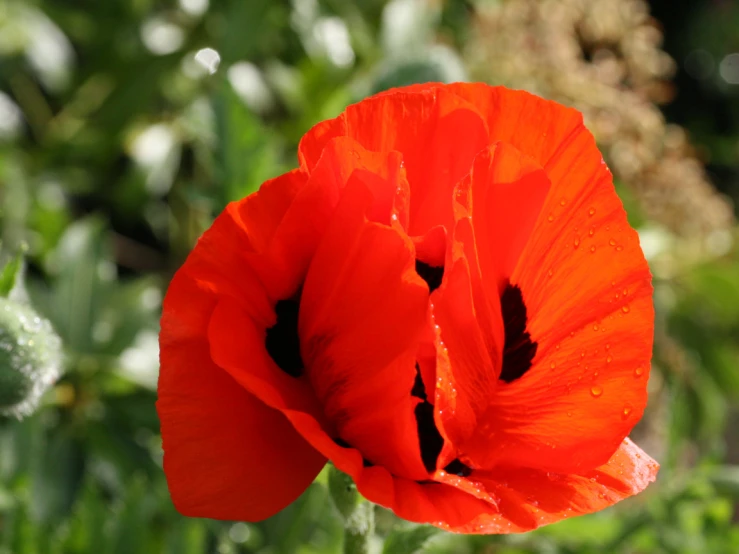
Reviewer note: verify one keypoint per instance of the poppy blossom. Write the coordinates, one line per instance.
(445, 300)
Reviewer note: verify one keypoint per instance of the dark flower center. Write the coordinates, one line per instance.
(282, 342)
(431, 274)
(519, 349)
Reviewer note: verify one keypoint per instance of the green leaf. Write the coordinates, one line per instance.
(726, 480)
(248, 154)
(408, 541)
(9, 275)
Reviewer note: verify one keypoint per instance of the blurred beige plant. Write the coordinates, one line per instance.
(603, 57)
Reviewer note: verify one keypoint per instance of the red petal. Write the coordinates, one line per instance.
(466, 375)
(261, 213)
(587, 290)
(226, 454)
(361, 314)
(506, 192)
(300, 231)
(548, 132)
(528, 499)
(437, 133)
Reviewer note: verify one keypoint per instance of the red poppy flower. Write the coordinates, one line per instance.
(445, 300)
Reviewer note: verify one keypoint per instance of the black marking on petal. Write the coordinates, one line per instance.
(342, 443)
(431, 274)
(429, 438)
(418, 390)
(455, 467)
(519, 349)
(282, 342)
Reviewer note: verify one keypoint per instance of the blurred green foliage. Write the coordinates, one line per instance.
(125, 125)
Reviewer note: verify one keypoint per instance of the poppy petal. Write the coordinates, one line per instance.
(507, 190)
(528, 499)
(261, 213)
(439, 137)
(219, 463)
(550, 133)
(297, 237)
(362, 310)
(587, 293)
(466, 375)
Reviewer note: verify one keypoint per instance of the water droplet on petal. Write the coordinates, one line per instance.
(592, 231)
(577, 242)
(562, 202)
(639, 371)
(550, 218)
(625, 308)
(394, 217)
(591, 212)
(596, 391)
(627, 411)
(552, 365)
(612, 242)
(609, 359)
(619, 248)
(595, 327)
(592, 249)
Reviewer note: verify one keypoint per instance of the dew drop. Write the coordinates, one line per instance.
(569, 414)
(394, 217)
(596, 391)
(591, 212)
(639, 371)
(612, 242)
(595, 327)
(609, 359)
(592, 231)
(619, 248)
(550, 218)
(592, 248)
(552, 365)
(577, 242)
(562, 202)
(625, 308)
(550, 272)
(626, 411)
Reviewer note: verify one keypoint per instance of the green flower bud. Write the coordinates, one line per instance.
(30, 358)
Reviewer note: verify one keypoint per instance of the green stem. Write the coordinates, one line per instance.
(358, 514)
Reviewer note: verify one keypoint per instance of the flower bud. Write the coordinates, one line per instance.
(30, 358)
